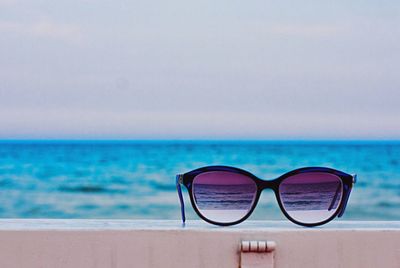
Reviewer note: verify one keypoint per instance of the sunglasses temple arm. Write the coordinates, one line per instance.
(346, 197)
(179, 189)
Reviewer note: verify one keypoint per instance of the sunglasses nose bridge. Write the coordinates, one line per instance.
(267, 184)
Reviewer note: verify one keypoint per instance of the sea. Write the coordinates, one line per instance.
(136, 179)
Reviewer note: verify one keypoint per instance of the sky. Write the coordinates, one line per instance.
(199, 69)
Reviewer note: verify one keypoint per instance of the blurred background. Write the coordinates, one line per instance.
(102, 103)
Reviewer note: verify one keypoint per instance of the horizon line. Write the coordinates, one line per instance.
(198, 140)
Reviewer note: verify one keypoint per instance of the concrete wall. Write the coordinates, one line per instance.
(125, 243)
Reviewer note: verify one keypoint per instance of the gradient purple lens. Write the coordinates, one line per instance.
(223, 196)
(311, 197)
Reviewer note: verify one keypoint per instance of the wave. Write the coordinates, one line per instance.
(88, 189)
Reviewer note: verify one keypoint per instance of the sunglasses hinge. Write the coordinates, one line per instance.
(180, 178)
(354, 178)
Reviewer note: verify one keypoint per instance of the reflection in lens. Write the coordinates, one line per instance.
(223, 196)
(311, 197)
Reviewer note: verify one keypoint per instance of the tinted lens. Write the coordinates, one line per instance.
(311, 197)
(223, 196)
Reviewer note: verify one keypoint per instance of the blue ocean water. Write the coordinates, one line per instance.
(113, 179)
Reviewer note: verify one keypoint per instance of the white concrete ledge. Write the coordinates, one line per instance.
(133, 243)
(104, 225)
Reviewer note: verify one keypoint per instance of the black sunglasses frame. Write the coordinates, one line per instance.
(187, 180)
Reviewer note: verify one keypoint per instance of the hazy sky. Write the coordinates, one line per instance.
(199, 69)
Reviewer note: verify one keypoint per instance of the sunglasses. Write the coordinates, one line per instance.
(225, 195)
